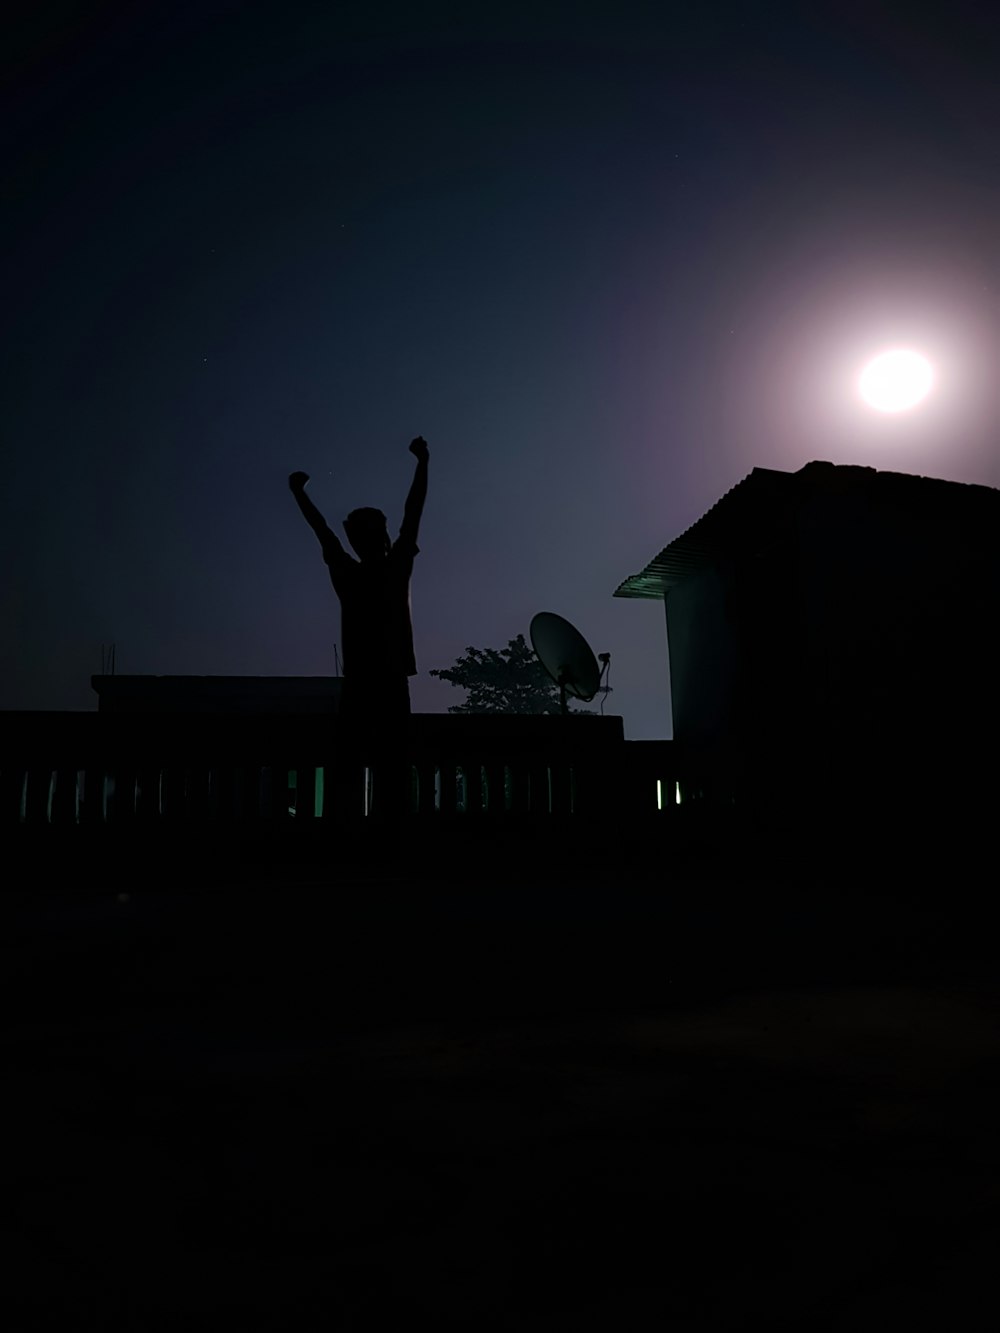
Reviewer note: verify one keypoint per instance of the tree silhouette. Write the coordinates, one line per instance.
(503, 680)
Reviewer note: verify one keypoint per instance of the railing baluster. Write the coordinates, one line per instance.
(495, 788)
(173, 793)
(247, 794)
(538, 788)
(266, 793)
(38, 789)
(213, 809)
(12, 787)
(305, 794)
(472, 780)
(426, 778)
(344, 788)
(448, 787)
(148, 794)
(520, 786)
(63, 802)
(559, 788)
(199, 788)
(92, 797)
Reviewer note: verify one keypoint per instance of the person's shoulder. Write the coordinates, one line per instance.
(335, 555)
(404, 548)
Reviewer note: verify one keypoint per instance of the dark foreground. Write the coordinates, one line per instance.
(728, 1105)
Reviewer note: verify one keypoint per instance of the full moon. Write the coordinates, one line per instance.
(896, 381)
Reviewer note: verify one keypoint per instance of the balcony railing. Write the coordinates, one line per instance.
(58, 770)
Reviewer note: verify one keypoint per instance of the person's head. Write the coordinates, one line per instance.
(368, 533)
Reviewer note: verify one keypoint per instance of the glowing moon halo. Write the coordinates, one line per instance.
(897, 380)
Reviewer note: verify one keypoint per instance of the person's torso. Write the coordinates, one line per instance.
(375, 617)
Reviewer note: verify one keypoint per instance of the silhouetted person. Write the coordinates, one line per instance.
(376, 632)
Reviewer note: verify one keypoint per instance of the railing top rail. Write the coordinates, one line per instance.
(27, 737)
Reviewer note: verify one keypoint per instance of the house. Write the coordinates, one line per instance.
(838, 621)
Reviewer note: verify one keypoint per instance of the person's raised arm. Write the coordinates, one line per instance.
(418, 492)
(297, 485)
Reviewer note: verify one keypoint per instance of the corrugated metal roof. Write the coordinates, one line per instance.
(753, 502)
(704, 540)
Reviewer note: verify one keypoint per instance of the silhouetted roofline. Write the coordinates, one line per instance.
(767, 492)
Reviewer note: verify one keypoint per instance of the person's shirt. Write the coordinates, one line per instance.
(375, 625)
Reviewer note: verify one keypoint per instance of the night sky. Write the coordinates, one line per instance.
(606, 259)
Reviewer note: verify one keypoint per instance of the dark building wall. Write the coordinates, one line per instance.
(898, 608)
(733, 630)
(217, 694)
(704, 649)
(859, 630)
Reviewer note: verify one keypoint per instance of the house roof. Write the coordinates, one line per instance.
(755, 501)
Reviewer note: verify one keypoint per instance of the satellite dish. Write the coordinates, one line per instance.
(566, 656)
